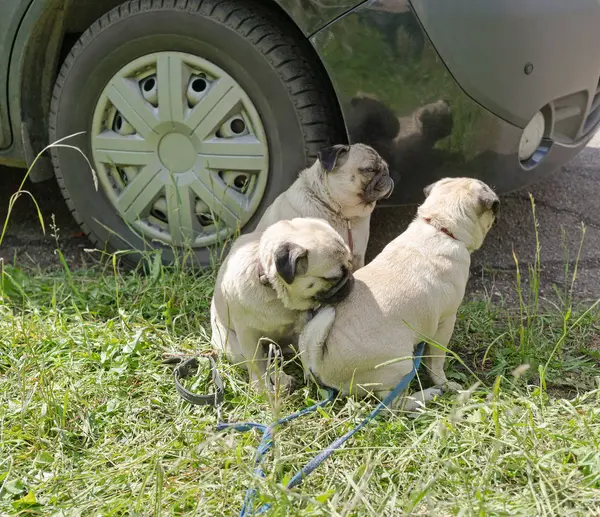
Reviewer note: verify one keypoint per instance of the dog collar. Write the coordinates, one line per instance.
(442, 229)
(348, 226)
(262, 278)
(350, 238)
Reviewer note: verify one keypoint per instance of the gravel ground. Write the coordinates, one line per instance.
(563, 202)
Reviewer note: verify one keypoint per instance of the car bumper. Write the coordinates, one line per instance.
(397, 94)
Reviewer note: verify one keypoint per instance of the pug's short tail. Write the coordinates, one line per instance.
(312, 342)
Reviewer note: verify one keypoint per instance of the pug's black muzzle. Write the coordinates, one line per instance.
(387, 186)
(381, 187)
(338, 292)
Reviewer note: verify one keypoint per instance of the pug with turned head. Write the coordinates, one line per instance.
(412, 289)
(342, 187)
(267, 282)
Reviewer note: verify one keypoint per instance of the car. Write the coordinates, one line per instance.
(191, 116)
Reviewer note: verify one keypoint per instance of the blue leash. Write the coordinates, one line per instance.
(266, 443)
(267, 439)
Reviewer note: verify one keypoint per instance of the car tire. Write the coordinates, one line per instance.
(253, 47)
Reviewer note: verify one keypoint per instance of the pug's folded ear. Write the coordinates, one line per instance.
(427, 190)
(490, 202)
(291, 260)
(330, 156)
(495, 207)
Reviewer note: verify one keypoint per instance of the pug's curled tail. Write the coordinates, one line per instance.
(312, 343)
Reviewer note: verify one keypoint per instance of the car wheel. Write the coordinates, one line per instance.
(194, 115)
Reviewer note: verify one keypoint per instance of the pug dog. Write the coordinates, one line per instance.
(267, 282)
(411, 290)
(342, 187)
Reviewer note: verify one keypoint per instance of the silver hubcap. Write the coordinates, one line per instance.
(180, 149)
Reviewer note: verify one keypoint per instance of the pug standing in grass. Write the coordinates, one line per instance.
(342, 187)
(267, 282)
(411, 290)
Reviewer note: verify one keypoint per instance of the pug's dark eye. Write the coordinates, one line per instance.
(311, 285)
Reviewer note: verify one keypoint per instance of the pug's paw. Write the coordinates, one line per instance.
(287, 384)
(451, 387)
(414, 403)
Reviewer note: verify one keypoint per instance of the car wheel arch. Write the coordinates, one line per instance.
(47, 33)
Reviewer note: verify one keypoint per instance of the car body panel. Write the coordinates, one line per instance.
(18, 25)
(378, 50)
(489, 45)
(10, 21)
(397, 94)
(312, 15)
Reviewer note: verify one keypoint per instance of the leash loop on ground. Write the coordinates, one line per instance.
(188, 368)
(267, 438)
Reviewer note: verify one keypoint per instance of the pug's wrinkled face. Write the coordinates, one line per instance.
(309, 263)
(357, 177)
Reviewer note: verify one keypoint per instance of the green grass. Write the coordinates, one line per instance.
(90, 423)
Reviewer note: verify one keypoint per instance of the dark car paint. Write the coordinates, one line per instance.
(312, 15)
(386, 72)
(394, 89)
(28, 75)
(12, 13)
(488, 45)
